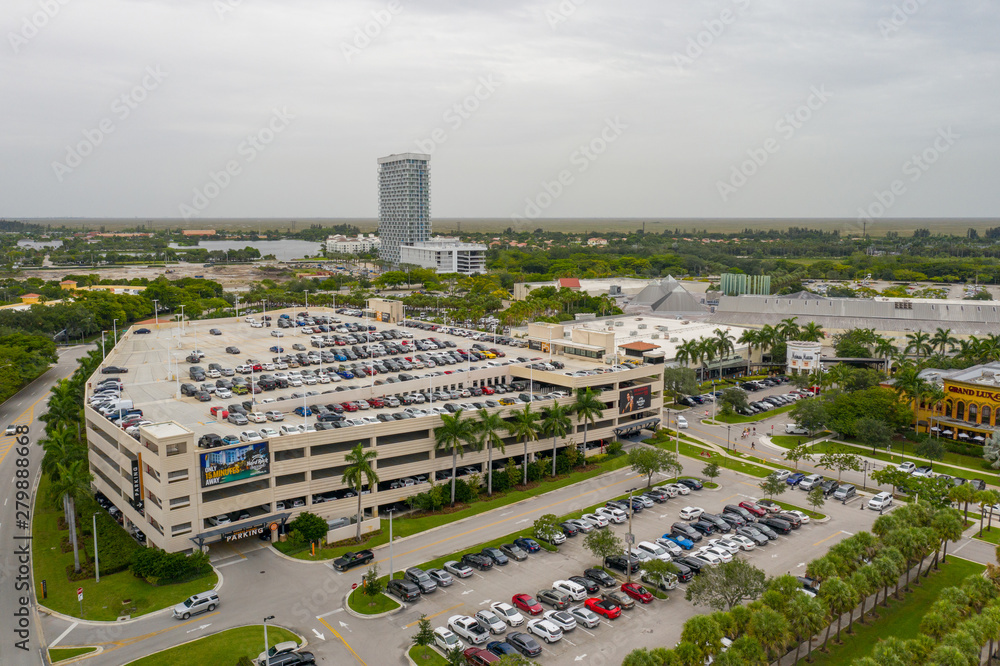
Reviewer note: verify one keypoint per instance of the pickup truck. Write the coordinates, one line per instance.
(468, 628)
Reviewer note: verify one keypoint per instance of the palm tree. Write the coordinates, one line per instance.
(811, 332)
(943, 341)
(704, 632)
(770, 629)
(524, 425)
(840, 374)
(749, 337)
(688, 352)
(865, 583)
(886, 349)
(807, 616)
(587, 408)
(723, 346)
(708, 354)
(949, 527)
(841, 597)
(358, 474)
(788, 329)
(489, 426)
(72, 484)
(556, 422)
(453, 433)
(61, 448)
(919, 343)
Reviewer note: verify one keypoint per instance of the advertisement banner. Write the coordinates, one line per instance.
(253, 530)
(634, 400)
(136, 486)
(236, 464)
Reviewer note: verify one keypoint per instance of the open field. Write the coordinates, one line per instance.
(904, 226)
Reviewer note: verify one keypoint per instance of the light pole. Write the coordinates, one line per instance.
(729, 429)
(104, 354)
(390, 542)
(267, 657)
(307, 300)
(156, 312)
(182, 318)
(97, 566)
(715, 399)
(629, 538)
(114, 325)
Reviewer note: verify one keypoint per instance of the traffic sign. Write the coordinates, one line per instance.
(630, 538)
(79, 594)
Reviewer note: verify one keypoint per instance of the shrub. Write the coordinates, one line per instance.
(614, 449)
(463, 492)
(159, 567)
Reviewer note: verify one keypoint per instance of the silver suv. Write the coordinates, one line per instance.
(205, 602)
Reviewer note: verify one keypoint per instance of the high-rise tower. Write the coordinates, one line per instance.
(404, 202)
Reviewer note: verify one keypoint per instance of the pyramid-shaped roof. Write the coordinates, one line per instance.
(667, 295)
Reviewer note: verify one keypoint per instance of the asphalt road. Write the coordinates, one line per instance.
(23, 409)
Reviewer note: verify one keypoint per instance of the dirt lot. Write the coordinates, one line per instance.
(232, 278)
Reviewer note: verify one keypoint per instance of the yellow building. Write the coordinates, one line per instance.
(969, 412)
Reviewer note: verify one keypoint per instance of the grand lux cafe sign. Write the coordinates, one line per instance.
(975, 393)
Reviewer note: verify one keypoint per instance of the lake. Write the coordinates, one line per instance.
(283, 250)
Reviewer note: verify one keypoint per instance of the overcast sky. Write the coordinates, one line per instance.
(645, 108)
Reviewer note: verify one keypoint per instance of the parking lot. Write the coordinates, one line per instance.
(653, 625)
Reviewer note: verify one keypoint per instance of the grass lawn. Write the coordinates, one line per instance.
(225, 647)
(61, 654)
(991, 536)
(789, 441)
(900, 447)
(427, 655)
(900, 619)
(736, 418)
(361, 603)
(101, 601)
(406, 526)
(827, 445)
(812, 514)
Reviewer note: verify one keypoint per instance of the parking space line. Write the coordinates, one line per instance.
(569, 641)
(435, 615)
(585, 631)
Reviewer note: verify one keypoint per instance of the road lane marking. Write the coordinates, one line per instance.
(828, 538)
(63, 634)
(435, 615)
(327, 625)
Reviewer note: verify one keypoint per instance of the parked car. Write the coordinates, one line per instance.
(880, 502)
(691, 513)
(459, 569)
(622, 563)
(526, 604)
(507, 613)
(604, 607)
(637, 592)
(845, 492)
(513, 552)
(404, 590)
(600, 577)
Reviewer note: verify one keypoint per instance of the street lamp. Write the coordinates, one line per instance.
(390, 542)
(629, 538)
(114, 325)
(97, 566)
(729, 429)
(156, 312)
(307, 300)
(104, 354)
(267, 657)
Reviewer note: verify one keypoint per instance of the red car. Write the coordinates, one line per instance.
(349, 406)
(257, 367)
(488, 391)
(216, 409)
(637, 592)
(376, 403)
(753, 508)
(608, 609)
(526, 603)
(498, 353)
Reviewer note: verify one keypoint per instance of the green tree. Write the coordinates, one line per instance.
(587, 408)
(844, 410)
(454, 434)
(892, 476)
(797, 453)
(773, 485)
(711, 471)
(930, 448)
(726, 585)
(949, 527)
(546, 527)
(816, 498)
(809, 414)
(488, 427)
(704, 632)
(806, 617)
(874, 432)
(556, 423)
(72, 484)
(840, 461)
(840, 597)
(359, 473)
(373, 583)
(963, 494)
(770, 629)
(679, 382)
(311, 526)
(733, 400)
(603, 543)
(455, 656)
(647, 461)
(524, 425)
(425, 633)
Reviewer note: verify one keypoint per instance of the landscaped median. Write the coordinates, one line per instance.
(362, 604)
(57, 655)
(225, 647)
(425, 655)
(404, 526)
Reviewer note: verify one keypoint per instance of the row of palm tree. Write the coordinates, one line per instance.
(459, 434)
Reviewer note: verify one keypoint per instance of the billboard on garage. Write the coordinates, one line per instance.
(635, 399)
(235, 464)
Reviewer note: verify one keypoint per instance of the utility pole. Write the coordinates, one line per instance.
(630, 538)
(156, 312)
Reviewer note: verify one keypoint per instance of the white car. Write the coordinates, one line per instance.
(507, 613)
(274, 415)
(670, 490)
(670, 547)
(802, 516)
(640, 555)
(584, 616)
(223, 393)
(727, 544)
(562, 619)
(456, 568)
(746, 543)
(489, 621)
(222, 519)
(795, 429)
(276, 334)
(289, 430)
(719, 551)
(654, 550)
(781, 474)
(710, 556)
(907, 467)
(469, 629)
(680, 488)
(445, 639)
(595, 520)
(574, 591)
(268, 433)
(545, 629)
(614, 515)
(256, 417)
(250, 436)
(691, 513)
(646, 502)
(682, 422)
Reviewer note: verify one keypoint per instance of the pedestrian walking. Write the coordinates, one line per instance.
(753, 446)
(755, 431)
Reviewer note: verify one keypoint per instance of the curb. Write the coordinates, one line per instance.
(297, 560)
(413, 645)
(304, 640)
(362, 616)
(98, 649)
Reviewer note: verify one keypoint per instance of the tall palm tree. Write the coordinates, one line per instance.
(72, 484)
(359, 473)
(723, 346)
(688, 352)
(454, 433)
(811, 332)
(556, 422)
(788, 328)
(943, 341)
(840, 374)
(750, 338)
(489, 426)
(708, 354)
(587, 408)
(919, 343)
(840, 597)
(524, 425)
(770, 629)
(807, 616)
(61, 448)
(886, 349)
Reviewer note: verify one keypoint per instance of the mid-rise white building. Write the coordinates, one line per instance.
(340, 244)
(404, 203)
(446, 255)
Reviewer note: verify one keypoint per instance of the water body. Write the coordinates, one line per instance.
(283, 250)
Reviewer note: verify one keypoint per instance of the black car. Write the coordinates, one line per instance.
(621, 563)
(232, 350)
(496, 555)
(209, 441)
(188, 389)
(789, 518)
(829, 487)
(740, 511)
(500, 648)
(766, 531)
(215, 331)
(978, 484)
(588, 584)
(524, 644)
(695, 565)
(693, 484)
(684, 572)
(720, 524)
(776, 524)
(734, 520)
(637, 505)
(404, 590)
(705, 527)
(753, 534)
(113, 370)
(142, 331)
(601, 577)
(351, 560)
(569, 529)
(477, 561)
(292, 659)
(685, 531)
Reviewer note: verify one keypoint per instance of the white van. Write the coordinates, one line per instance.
(117, 405)
(880, 501)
